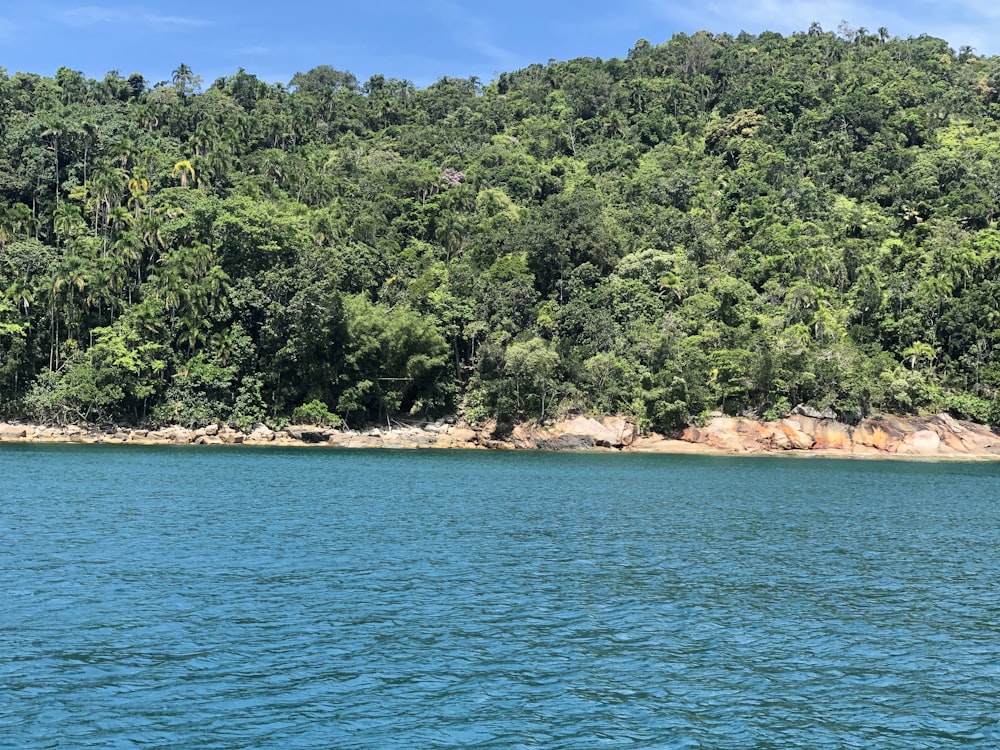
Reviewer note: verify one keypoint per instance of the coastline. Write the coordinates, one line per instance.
(939, 437)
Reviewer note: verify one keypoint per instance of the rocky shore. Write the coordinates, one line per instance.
(939, 436)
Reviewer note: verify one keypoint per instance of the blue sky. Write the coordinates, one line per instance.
(422, 40)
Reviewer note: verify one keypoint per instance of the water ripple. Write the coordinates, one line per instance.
(251, 598)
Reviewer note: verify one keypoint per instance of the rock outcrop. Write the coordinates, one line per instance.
(612, 432)
(939, 436)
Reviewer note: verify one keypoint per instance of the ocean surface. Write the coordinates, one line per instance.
(199, 597)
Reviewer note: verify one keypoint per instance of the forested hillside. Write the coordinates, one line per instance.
(713, 223)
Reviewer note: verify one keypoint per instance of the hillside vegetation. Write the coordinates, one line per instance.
(712, 223)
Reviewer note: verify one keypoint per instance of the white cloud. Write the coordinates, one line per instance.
(93, 15)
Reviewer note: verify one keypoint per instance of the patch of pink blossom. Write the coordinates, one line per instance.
(452, 177)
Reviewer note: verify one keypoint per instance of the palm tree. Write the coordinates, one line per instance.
(450, 232)
(89, 131)
(184, 170)
(224, 342)
(67, 222)
(125, 151)
(21, 293)
(16, 221)
(917, 351)
(213, 286)
(148, 114)
(113, 274)
(150, 228)
(109, 188)
(185, 81)
(139, 188)
(128, 250)
(67, 278)
(54, 129)
(192, 331)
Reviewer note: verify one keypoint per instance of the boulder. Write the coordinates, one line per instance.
(408, 439)
(365, 441)
(598, 434)
(339, 439)
(753, 435)
(831, 435)
(462, 434)
(309, 433)
(920, 443)
(723, 433)
(520, 436)
(12, 432)
(974, 438)
(625, 430)
(493, 430)
(229, 436)
(565, 443)
(261, 433)
(171, 434)
(777, 439)
(809, 411)
(498, 445)
(872, 434)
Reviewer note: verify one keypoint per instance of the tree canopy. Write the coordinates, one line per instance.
(712, 223)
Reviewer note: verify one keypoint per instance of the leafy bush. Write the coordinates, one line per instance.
(316, 413)
(967, 406)
(779, 409)
(249, 407)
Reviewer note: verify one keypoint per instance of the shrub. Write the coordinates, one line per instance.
(316, 413)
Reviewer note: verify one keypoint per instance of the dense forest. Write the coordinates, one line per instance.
(723, 223)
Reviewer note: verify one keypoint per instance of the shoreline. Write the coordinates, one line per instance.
(939, 437)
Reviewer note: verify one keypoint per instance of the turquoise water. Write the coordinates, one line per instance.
(243, 598)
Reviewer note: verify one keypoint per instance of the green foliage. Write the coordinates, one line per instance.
(315, 413)
(396, 363)
(532, 366)
(248, 407)
(714, 223)
(778, 410)
(199, 394)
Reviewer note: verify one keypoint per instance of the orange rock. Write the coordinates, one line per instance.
(724, 433)
(774, 437)
(871, 434)
(832, 435)
(793, 429)
(951, 440)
